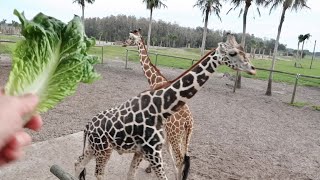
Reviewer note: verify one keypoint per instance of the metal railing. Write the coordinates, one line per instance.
(157, 54)
(297, 76)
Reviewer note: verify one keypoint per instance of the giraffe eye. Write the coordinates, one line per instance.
(232, 54)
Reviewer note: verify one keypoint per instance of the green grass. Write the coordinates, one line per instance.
(119, 52)
(316, 108)
(299, 104)
(6, 48)
(10, 38)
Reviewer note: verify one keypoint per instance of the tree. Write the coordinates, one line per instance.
(3, 21)
(286, 4)
(304, 38)
(207, 7)
(261, 46)
(300, 39)
(151, 5)
(237, 4)
(253, 45)
(82, 4)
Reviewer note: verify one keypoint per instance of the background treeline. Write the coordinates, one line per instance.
(117, 28)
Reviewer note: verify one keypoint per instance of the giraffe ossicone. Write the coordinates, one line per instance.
(136, 126)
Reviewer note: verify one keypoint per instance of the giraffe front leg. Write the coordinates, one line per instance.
(101, 161)
(82, 161)
(137, 158)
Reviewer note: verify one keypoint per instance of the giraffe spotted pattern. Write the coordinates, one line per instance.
(136, 126)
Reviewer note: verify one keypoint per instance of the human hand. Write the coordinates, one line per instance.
(12, 135)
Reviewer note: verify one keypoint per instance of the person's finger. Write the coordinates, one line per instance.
(27, 104)
(14, 149)
(12, 154)
(20, 139)
(35, 123)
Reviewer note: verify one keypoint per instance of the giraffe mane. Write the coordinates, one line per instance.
(172, 81)
(151, 64)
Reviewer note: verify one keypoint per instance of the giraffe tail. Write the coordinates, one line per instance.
(186, 168)
(83, 173)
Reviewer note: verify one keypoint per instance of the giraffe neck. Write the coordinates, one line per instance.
(179, 91)
(155, 78)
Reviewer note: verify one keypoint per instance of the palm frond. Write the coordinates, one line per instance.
(259, 11)
(299, 4)
(241, 10)
(229, 11)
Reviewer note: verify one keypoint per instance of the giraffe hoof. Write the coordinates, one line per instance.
(148, 170)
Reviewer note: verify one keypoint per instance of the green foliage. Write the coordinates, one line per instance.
(116, 28)
(51, 61)
(152, 4)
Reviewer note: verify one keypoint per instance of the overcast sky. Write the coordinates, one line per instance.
(183, 13)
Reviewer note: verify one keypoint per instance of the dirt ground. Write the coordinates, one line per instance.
(242, 135)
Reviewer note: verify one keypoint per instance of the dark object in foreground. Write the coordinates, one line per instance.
(60, 173)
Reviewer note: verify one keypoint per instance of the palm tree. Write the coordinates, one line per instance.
(82, 4)
(286, 4)
(207, 7)
(237, 4)
(300, 39)
(151, 5)
(305, 37)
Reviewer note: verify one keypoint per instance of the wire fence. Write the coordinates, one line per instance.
(295, 76)
(172, 61)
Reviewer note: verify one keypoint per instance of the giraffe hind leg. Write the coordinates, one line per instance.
(82, 161)
(136, 160)
(101, 162)
(174, 149)
(187, 138)
(155, 159)
(148, 169)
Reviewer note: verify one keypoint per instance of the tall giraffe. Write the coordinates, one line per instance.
(136, 126)
(178, 127)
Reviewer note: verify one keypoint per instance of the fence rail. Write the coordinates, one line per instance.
(296, 76)
(157, 54)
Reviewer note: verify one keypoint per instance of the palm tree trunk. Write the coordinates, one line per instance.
(269, 88)
(243, 39)
(244, 25)
(301, 50)
(82, 17)
(149, 31)
(295, 64)
(204, 36)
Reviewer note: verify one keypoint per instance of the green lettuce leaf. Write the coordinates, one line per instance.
(51, 61)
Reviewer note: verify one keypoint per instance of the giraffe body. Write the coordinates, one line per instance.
(178, 127)
(136, 126)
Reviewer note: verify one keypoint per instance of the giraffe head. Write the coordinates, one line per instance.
(232, 54)
(134, 37)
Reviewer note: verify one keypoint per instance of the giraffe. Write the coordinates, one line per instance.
(136, 126)
(178, 127)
